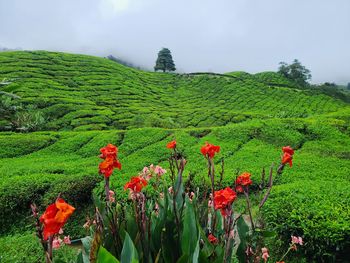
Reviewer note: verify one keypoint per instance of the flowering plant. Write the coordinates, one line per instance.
(181, 223)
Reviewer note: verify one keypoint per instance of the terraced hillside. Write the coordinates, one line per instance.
(79, 92)
(249, 116)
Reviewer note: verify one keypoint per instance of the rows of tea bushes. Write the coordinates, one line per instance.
(310, 200)
(77, 92)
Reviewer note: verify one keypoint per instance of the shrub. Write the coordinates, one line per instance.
(315, 210)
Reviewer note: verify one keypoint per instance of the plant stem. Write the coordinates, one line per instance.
(107, 189)
(48, 254)
(285, 254)
(246, 193)
(269, 189)
(228, 223)
(211, 172)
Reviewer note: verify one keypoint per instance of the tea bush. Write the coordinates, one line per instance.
(318, 211)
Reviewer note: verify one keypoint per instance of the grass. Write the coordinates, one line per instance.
(89, 102)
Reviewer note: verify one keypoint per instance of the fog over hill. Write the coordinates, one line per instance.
(224, 36)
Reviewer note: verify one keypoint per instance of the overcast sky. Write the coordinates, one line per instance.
(203, 35)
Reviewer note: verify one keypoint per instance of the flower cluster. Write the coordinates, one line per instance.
(243, 181)
(136, 184)
(109, 154)
(287, 157)
(55, 216)
(209, 150)
(57, 242)
(148, 172)
(223, 199)
(296, 241)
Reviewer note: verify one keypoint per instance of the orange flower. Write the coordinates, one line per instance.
(109, 151)
(55, 216)
(224, 198)
(212, 239)
(135, 184)
(209, 150)
(107, 166)
(243, 180)
(287, 155)
(109, 154)
(171, 145)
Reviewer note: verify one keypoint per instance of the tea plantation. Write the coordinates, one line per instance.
(89, 102)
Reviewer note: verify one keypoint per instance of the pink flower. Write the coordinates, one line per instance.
(171, 190)
(249, 251)
(111, 196)
(159, 170)
(56, 243)
(60, 231)
(265, 253)
(145, 170)
(66, 240)
(297, 240)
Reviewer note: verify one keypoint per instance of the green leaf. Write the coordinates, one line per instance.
(129, 252)
(183, 259)
(80, 257)
(266, 233)
(243, 230)
(179, 190)
(104, 256)
(85, 252)
(196, 252)
(189, 237)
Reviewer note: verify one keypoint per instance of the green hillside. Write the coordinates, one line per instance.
(78, 92)
(89, 102)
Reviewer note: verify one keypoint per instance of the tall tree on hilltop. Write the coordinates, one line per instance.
(164, 61)
(295, 72)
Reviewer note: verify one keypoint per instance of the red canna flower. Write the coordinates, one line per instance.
(288, 149)
(212, 239)
(209, 150)
(55, 216)
(109, 154)
(107, 166)
(109, 151)
(287, 155)
(135, 184)
(171, 145)
(243, 180)
(224, 198)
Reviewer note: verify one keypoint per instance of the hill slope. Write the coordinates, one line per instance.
(78, 92)
(249, 116)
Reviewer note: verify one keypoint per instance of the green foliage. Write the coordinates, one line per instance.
(315, 209)
(295, 72)
(164, 61)
(26, 248)
(77, 92)
(257, 115)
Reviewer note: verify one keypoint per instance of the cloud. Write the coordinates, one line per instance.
(220, 36)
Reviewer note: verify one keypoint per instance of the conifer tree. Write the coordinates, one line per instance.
(164, 61)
